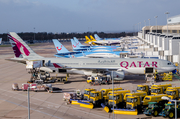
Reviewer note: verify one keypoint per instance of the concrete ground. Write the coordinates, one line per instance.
(13, 104)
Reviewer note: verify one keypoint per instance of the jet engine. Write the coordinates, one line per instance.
(117, 75)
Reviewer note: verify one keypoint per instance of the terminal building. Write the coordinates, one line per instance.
(164, 40)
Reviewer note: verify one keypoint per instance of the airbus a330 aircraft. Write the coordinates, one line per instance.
(63, 52)
(86, 66)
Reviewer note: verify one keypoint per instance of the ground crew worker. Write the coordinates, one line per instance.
(157, 76)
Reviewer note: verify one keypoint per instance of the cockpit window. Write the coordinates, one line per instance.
(168, 63)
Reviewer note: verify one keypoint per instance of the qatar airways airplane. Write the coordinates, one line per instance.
(86, 66)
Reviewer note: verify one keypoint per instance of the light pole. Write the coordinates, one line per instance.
(149, 21)
(156, 23)
(145, 22)
(34, 33)
(167, 22)
(175, 101)
(113, 90)
(140, 26)
(28, 104)
(149, 24)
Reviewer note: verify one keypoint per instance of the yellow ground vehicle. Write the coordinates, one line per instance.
(173, 92)
(140, 94)
(87, 93)
(106, 91)
(119, 101)
(167, 76)
(143, 88)
(123, 92)
(159, 89)
(98, 97)
(135, 104)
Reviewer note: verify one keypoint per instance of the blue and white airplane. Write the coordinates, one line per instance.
(76, 47)
(98, 38)
(63, 52)
(92, 47)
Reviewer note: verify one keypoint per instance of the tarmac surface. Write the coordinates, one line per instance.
(44, 105)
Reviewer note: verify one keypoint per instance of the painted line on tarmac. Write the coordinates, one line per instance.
(76, 109)
(30, 108)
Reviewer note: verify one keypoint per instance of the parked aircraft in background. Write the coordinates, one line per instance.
(98, 38)
(92, 47)
(76, 47)
(86, 66)
(63, 52)
(102, 42)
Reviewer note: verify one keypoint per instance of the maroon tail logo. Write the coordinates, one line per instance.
(18, 47)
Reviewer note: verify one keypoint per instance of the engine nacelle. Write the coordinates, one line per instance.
(118, 75)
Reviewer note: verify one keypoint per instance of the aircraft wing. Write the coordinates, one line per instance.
(19, 60)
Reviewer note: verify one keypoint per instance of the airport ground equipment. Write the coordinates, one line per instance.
(135, 105)
(143, 88)
(159, 89)
(26, 85)
(105, 92)
(54, 90)
(42, 76)
(140, 94)
(173, 92)
(40, 88)
(15, 86)
(169, 111)
(167, 76)
(87, 93)
(149, 75)
(97, 97)
(119, 101)
(154, 109)
(68, 96)
(98, 80)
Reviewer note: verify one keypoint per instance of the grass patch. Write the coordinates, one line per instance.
(5, 45)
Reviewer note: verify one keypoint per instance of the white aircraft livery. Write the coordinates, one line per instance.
(87, 66)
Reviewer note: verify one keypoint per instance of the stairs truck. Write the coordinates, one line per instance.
(169, 111)
(154, 108)
(118, 100)
(159, 89)
(143, 88)
(173, 92)
(135, 105)
(97, 97)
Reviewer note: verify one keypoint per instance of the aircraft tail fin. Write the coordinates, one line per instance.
(97, 37)
(77, 41)
(92, 38)
(21, 49)
(59, 47)
(74, 44)
(87, 39)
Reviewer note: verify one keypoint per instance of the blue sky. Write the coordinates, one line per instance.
(82, 15)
